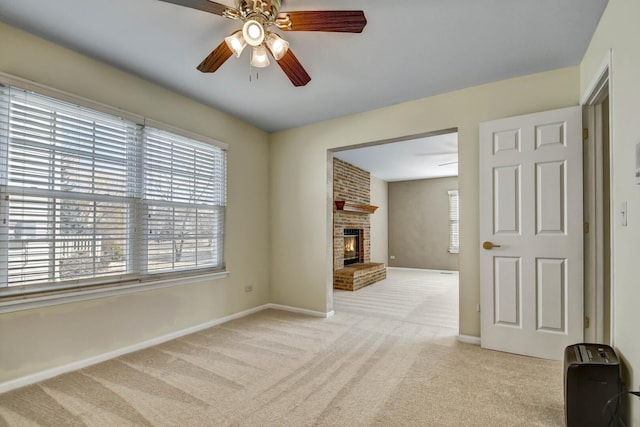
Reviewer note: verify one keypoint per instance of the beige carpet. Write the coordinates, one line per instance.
(388, 357)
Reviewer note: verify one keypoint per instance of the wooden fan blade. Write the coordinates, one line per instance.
(216, 58)
(345, 21)
(203, 5)
(293, 69)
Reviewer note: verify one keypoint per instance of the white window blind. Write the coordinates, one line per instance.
(184, 199)
(454, 227)
(88, 197)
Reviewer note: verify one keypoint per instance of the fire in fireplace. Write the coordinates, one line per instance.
(352, 246)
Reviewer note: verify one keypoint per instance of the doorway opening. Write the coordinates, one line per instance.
(411, 180)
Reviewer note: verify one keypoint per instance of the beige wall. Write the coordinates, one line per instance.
(39, 339)
(379, 221)
(619, 31)
(299, 178)
(419, 224)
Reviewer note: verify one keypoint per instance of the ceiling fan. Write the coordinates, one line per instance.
(258, 17)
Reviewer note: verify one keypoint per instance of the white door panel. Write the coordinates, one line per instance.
(507, 291)
(531, 283)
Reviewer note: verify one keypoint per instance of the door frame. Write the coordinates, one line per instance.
(599, 89)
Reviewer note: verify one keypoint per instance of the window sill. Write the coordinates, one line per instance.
(31, 302)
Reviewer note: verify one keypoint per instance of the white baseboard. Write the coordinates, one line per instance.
(423, 269)
(469, 339)
(301, 310)
(74, 366)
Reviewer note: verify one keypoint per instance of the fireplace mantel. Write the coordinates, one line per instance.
(342, 205)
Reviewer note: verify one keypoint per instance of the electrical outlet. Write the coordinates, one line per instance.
(248, 288)
(392, 257)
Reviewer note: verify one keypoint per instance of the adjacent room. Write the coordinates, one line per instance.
(169, 245)
(398, 230)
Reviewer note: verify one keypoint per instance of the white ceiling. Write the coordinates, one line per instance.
(421, 158)
(409, 49)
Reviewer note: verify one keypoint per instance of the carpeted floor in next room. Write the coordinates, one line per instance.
(389, 357)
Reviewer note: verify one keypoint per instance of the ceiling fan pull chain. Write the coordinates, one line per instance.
(251, 73)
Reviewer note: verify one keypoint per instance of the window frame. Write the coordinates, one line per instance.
(19, 297)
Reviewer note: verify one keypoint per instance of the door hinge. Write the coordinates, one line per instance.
(586, 228)
(586, 322)
(585, 134)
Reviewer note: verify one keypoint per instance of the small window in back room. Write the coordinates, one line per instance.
(454, 223)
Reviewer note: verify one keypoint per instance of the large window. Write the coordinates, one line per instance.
(90, 198)
(454, 222)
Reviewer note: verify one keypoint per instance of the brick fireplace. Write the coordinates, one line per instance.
(351, 221)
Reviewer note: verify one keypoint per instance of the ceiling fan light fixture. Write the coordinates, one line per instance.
(259, 59)
(236, 43)
(277, 45)
(253, 32)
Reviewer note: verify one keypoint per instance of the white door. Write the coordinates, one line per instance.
(531, 280)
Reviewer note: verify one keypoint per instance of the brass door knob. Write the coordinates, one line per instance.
(488, 246)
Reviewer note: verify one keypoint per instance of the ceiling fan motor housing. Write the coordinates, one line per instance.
(267, 8)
